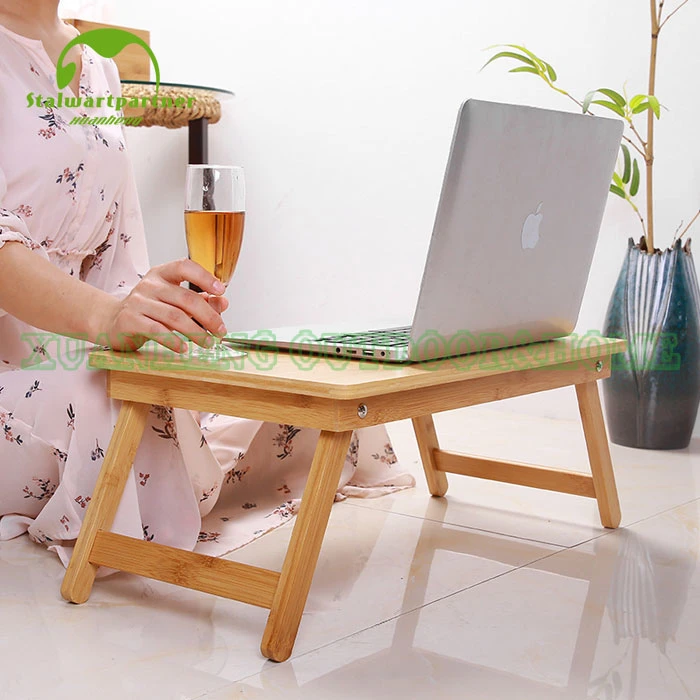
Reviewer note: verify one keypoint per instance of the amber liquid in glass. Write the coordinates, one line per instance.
(214, 240)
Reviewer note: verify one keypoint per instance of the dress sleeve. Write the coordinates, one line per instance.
(12, 225)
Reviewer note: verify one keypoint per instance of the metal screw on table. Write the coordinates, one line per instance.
(362, 411)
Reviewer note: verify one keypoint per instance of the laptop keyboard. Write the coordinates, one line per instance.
(385, 338)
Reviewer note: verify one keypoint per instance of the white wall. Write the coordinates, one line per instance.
(343, 118)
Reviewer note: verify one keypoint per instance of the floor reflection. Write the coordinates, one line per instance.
(637, 588)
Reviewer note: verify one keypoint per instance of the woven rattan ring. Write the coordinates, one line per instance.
(173, 107)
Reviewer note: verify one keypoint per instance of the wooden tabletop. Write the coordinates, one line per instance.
(347, 379)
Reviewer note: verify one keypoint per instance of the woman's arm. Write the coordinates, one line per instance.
(35, 291)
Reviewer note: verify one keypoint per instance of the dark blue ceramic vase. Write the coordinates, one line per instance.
(651, 398)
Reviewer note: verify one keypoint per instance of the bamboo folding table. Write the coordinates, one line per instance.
(335, 396)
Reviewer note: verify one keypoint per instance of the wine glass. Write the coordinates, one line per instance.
(214, 219)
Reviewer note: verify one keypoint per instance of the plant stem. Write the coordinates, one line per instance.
(564, 92)
(633, 144)
(650, 125)
(641, 218)
(692, 221)
(671, 15)
(638, 135)
(588, 111)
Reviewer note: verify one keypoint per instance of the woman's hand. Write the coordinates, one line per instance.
(158, 305)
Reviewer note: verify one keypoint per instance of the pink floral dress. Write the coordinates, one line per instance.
(212, 482)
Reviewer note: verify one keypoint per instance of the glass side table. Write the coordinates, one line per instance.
(193, 106)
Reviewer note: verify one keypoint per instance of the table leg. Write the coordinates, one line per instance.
(427, 439)
(598, 453)
(305, 545)
(80, 576)
(198, 154)
(197, 141)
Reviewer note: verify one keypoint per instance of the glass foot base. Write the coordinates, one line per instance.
(216, 353)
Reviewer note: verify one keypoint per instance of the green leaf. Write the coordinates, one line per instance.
(655, 106)
(634, 185)
(524, 69)
(619, 192)
(587, 100)
(618, 181)
(616, 97)
(642, 107)
(627, 171)
(509, 54)
(617, 105)
(637, 100)
(536, 59)
(551, 72)
(610, 105)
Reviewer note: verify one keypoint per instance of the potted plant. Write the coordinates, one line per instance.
(651, 398)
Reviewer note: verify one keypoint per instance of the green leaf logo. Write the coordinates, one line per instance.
(108, 42)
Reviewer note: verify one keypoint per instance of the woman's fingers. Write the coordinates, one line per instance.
(168, 339)
(193, 305)
(186, 270)
(155, 286)
(218, 303)
(197, 305)
(158, 306)
(131, 329)
(163, 318)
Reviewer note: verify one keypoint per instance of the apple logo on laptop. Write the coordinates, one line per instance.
(531, 228)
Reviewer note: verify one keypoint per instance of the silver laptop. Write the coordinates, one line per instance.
(514, 235)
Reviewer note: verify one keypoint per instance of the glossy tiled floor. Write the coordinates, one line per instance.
(493, 592)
